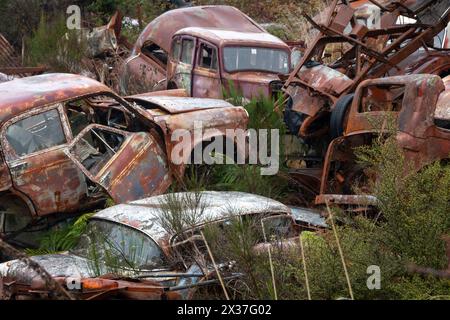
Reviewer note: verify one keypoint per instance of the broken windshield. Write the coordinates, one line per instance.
(255, 58)
(117, 246)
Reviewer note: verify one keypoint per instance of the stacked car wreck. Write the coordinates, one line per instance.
(328, 100)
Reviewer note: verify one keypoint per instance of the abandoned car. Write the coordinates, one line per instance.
(132, 251)
(345, 52)
(418, 104)
(202, 49)
(68, 143)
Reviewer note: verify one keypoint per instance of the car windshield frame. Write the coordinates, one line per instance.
(226, 68)
(84, 251)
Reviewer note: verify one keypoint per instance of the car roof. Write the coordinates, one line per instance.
(23, 94)
(161, 29)
(146, 214)
(218, 36)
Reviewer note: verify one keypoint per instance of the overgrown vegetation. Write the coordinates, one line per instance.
(64, 238)
(413, 219)
(53, 45)
(245, 177)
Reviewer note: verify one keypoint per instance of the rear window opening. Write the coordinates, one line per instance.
(155, 52)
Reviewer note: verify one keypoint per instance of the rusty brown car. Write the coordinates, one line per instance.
(346, 52)
(127, 251)
(68, 143)
(420, 106)
(202, 49)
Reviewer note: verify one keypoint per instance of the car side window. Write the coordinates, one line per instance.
(96, 147)
(187, 50)
(208, 57)
(35, 133)
(176, 48)
(154, 51)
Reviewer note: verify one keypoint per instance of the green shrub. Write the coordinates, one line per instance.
(62, 238)
(53, 45)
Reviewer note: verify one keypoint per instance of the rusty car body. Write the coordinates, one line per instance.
(346, 52)
(68, 143)
(419, 107)
(150, 272)
(197, 49)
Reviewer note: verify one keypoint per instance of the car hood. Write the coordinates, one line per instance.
(261, 78)
(175, 105)
(57, 265)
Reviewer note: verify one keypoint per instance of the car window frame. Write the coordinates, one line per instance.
(199, 56)
(129, 108)
(237, 45)
(192, 62)
(10, 153)
(171, 55)
(363, 92)
(153, 57)
(164, 255)
(76, 139)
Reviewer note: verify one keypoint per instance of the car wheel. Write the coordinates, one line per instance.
(338, 115)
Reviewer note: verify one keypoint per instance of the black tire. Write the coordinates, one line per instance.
(337, 125)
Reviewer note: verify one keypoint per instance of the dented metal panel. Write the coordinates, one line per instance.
(443, 103)
(20, 95)
(176, 105)
(139, 170)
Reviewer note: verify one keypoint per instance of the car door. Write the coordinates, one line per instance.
(206, 82)
(182, 74)
(33, 145)
(127, 165)
(144, 70)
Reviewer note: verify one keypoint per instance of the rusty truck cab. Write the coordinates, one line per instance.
(204, 61)
(414, 107)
